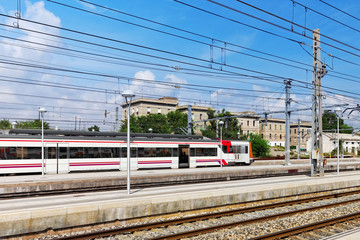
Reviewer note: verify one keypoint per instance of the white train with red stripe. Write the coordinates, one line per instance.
(69, 151)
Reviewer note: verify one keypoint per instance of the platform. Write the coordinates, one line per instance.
(144, 178)
(55, 212)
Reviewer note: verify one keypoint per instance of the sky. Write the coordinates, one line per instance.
(76, 57)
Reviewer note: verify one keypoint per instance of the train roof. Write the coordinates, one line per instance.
(90, 135)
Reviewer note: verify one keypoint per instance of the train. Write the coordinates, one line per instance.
(74, 151)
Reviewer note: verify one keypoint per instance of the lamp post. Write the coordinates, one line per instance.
(150, 130)
(221, 146)
(128, 95)
(338, 112)
(42, 111)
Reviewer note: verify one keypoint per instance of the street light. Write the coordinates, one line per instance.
(42, 111)
(221, 148)
(337, 113)
(128, 95)
(150, 130)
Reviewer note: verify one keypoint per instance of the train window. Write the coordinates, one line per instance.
(63, 152)
(175, 152)
(50, 152)
(133, 152)
(236, 149)
(231, 149)
(246, 149)
(163, 152)
(206, 152)
(141, 152)
(106, 152)
(192, 151)
(76, 152)
(10, 153)
(123, 152)
(31, 153)
(225, 150)
(149, 152)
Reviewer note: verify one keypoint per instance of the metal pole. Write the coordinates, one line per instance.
(189, 120)
(221, 148)
(287, 122)
(298, 136)
(338, 146)
(42, 144)
(128, 146)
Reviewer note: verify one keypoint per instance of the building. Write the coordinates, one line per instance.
(351, 143)
(144, 106)
(273, 130)
(300, 132)
(249, 122)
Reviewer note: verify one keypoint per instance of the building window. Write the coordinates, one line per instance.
(248, 123)
(270, 126)
(275, 127)
(159, 110)
(137, 111)
(294, 130)
(200, 116)
(290, 130)
(275, 136)
(280, 136)
(148, 110)
(133, 111)
(270, 136)
(262, 135)
(253, 123)
(262, 126)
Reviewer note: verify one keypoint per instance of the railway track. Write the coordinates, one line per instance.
(161, 229)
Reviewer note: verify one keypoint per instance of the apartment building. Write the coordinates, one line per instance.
(143, 106)
(249, 122)
(273, 130)
(300, 132)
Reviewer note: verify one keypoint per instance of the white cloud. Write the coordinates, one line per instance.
(87, 5)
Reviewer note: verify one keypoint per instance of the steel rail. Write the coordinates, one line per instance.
(148, 226)
(249, 221)
(307, 227)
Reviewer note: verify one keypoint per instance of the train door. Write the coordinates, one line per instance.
(57, 158)
(184, 158)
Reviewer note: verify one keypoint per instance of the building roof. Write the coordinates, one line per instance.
(167, 101)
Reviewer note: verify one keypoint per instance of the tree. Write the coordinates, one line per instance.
(5, 124)
(94, 128)
(329, 120)
(177, 120)
(260, 147)
(35, 124)
(230, 129)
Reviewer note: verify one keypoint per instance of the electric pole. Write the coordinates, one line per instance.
(319, 71)
(189, 120)
(287, 122)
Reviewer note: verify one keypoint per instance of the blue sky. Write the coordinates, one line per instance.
(164, 60)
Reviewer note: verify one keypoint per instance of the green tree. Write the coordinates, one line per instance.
(5, 124)
(177, 120)
(35, 124)
(94, 128)
(329, 120)
(230, 128)
(134, 128)
(260, 147)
